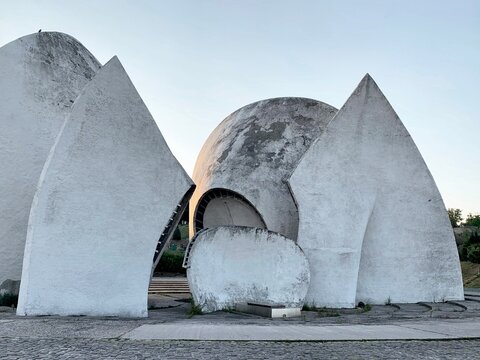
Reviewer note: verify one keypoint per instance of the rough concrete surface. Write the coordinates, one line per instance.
(230, 265)
(41, 76)
(106, 193)
(372, 221)
(251, 153)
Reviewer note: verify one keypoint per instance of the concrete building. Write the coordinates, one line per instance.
(372, 221)
(228, 265)
(41, 75)
(106, 194)
(89, 181)
(242, 168)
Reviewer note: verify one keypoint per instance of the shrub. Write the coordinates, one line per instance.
(473, 253)
(470, 249)
(9, 300)
(171, 261)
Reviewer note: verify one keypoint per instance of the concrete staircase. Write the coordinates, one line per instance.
(169, 285)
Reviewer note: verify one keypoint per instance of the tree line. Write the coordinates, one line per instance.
(456, 218)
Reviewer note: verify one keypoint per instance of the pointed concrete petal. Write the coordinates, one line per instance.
(40, 77)
(372, 221)
(106, 194)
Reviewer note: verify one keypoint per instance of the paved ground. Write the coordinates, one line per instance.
(114, 338)
(115, 349)
(411, 330)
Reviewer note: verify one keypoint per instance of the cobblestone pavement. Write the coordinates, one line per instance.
(54, 337)
(18, 348)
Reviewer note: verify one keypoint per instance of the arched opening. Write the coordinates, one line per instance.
(170, 228)
(225, 207)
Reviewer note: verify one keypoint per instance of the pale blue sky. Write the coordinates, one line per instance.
(195, 62)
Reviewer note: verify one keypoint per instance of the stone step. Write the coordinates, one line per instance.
(169, 286)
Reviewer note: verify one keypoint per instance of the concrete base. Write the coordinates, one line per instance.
(268, 311)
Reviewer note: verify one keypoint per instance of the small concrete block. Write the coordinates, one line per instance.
(268, 311)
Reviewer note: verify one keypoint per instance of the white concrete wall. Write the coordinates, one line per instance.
(372, 221)
(41, 76)
(231, 211)
(229, 265)
(106, 192)
(254, 150)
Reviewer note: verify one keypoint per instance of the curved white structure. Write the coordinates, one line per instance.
(242, 168)
(106, 194)
(41, 75)
(228, 265)
(372, 221)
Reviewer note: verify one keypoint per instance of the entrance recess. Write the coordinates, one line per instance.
(225, 207)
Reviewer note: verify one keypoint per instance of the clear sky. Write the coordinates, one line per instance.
(195, 62)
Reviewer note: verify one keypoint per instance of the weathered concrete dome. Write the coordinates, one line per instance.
(241, 170)
(41, 75)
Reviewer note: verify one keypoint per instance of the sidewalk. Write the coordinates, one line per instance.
(449, 329)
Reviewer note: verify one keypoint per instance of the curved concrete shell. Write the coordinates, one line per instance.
(106, 193)
(244, 162)
(228, 265)
(372, 221)
(40, 77)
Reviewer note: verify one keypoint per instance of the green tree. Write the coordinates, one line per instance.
(471, 220)
(470, 249)
(455, 216)
(473, 253)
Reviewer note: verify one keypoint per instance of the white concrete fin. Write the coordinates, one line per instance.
(107, 192)
(228, 265)
(41, 75)
(372, 221)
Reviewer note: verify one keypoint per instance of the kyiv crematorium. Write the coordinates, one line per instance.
(295, 201)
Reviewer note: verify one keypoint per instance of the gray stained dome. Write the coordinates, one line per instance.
(241, 170)
(41, 75)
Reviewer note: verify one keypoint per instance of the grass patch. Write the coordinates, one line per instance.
(9, 300)
(366, 308)
(195, 309)
(471, 274)
(309, 307)
(324, 312)
(228, 309)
